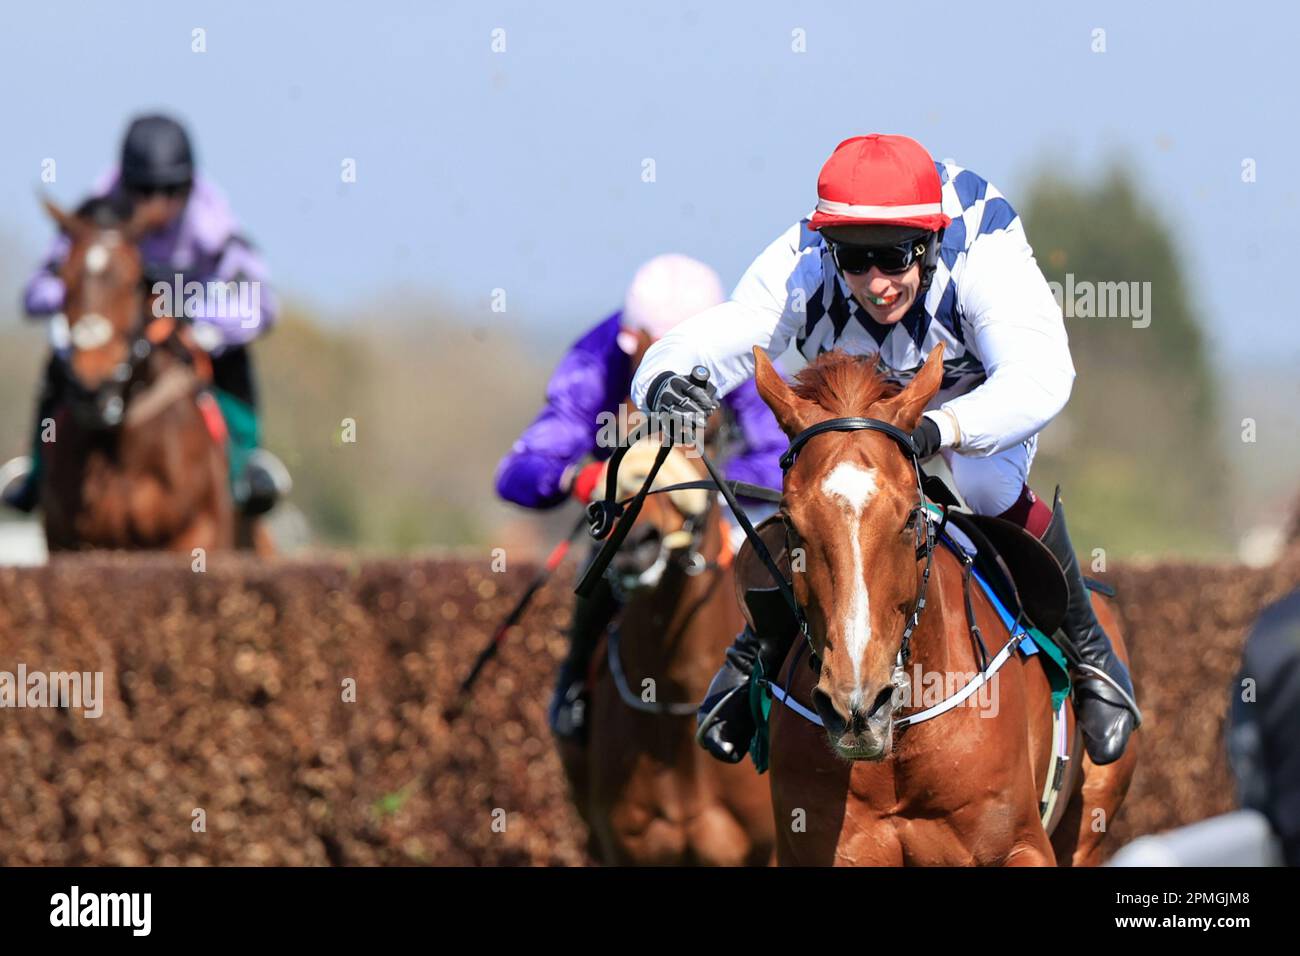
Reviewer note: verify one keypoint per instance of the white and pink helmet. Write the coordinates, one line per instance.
(666, 291)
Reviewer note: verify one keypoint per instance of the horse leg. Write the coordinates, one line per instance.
(1100, 798)
(717, 837)
(209, 530)
(1035, 850)
(576, 764)
(203, 533)
(783, 852)
(733, 826)
(1104, 788)
(213, 528)
(252, 534)
(576, 759)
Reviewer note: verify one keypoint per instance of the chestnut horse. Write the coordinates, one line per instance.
(961, 788)
(649, 795)
(132, 462)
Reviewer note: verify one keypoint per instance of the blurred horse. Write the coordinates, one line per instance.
(649, 795)
(963, 787)
(137, 458)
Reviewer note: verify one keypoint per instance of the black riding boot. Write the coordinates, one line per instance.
(730, 721)
(568, 711)
(264, 480)
(1107, 709)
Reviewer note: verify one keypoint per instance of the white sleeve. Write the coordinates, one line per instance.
(1014, 325)
(764, 310)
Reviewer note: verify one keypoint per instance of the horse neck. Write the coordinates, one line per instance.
(677, 630)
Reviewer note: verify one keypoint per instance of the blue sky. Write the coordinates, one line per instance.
(522, 170)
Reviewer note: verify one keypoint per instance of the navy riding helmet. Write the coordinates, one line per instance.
(156, 154)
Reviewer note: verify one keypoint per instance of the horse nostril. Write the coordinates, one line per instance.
(831, 719)
(644, 539)
(639, 552)
(886, 694)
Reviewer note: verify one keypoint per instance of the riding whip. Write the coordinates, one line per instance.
(490, 650)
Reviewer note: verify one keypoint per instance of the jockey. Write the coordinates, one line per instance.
(901, 254)
(188, 230)
(546, 465)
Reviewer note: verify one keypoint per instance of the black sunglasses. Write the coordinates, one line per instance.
(171, 192)
(891, 260)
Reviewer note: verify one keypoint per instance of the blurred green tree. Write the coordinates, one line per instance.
(1138, 449)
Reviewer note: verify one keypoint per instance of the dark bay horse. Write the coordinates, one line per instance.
(650, 796)
(135, 461)
(964, 787)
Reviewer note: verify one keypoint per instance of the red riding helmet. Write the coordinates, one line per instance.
(882, 180)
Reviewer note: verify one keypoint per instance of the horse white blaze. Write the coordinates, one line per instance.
(854, 486)
(97, 257)
(91, 331)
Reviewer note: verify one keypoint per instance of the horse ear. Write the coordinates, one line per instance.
(137, 225)
(790, 410)
(67, 222)
(905, 408)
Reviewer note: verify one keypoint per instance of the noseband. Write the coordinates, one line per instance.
(926, 533)
(693, 526)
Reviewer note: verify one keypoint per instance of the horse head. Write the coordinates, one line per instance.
(668, 529)
(103, 278)
(851, 510)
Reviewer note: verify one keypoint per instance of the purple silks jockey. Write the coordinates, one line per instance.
(594, 377)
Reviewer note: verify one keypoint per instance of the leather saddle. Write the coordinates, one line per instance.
(1019, 568)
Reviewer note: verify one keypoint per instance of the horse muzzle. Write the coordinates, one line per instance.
(100, 407)
(647, 554)
(102, 410)
(867, 734)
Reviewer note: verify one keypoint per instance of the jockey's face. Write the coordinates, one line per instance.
(637, 342)
(159, 209)
(886, 298)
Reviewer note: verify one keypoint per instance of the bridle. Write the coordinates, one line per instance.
(926, 532)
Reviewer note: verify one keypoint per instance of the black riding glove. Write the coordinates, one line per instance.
(670, 392)
(684, 405)
(926, 438)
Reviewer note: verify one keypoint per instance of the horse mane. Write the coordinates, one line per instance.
(843, 384)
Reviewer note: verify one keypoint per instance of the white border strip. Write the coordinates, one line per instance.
(833, 208)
